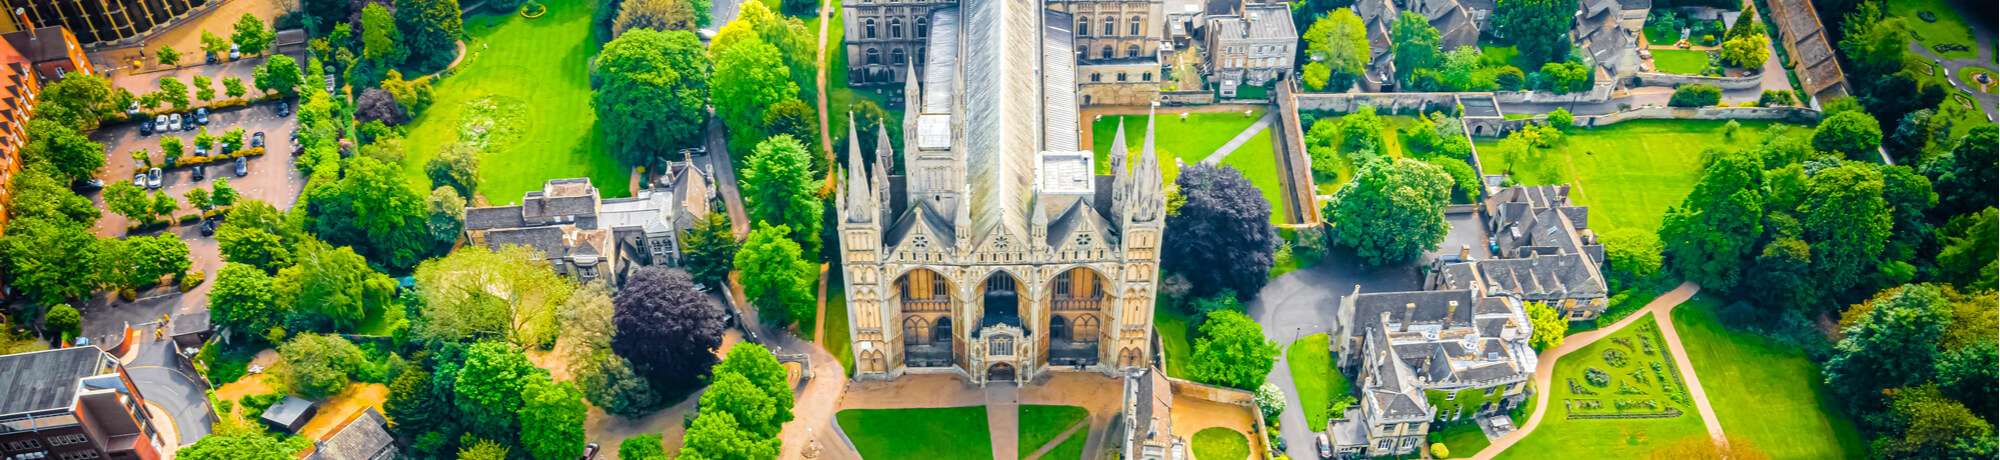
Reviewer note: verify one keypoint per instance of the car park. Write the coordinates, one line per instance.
(208, 227)
(201, 116)
(257, 140)
(200, 172)
(242, 167)
(235, 52)
(140, 180)
(146, 127)
(89, 184)
(175, 122)
(153, 177)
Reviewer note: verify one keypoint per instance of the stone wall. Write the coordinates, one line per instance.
(1790, 114)
(1176, 98)
(1598, 93)
(1385, 103)
(1125, 93)
(1673, 80)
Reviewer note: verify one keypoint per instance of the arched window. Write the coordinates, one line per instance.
(895, 28)
(1132, 51)
(896, 57)
(920, 55)
(1082, 26)
(1085, 329)
(1107, 52)
(1002, 346)
(869, 29)
(874, 56)
(1121, 76)
(923, 29)
(1058, 327)
(1135, 25)
(915, 331)
(1096, 77)
(1110, 26)
(943, 333)
(1148, 76)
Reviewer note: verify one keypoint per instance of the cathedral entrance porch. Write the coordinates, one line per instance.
(1001, 372)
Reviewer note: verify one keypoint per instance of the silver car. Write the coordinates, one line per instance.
(153, 177)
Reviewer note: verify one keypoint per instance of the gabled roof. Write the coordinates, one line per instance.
(363, 438)
(45, 380)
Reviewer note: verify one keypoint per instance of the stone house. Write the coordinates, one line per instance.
(1544, 249)
(1457, 26)
(1250, 46)
(588, 237)
(1608, 33)
(1402, 347)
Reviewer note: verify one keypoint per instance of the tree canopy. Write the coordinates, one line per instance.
(779, 188)
(475, 293)
(1339, 43)
(666, 329)
(1222, 237)
(1539, 28)
(1711, 234)
(1392, 210)
(1232, 351)
(655, 86)
(775, 276)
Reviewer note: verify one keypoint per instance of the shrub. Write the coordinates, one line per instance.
(63, 319)
(1270, 400)
(192, 279)
(1775, 98)
(1614, 357)
(1561, 118)
(1696, 95)
(1597, 377)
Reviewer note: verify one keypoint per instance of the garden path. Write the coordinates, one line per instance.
(1003, 420)
(1249, 132)
(1952, 67)
(1662, 310)
(1073, 428)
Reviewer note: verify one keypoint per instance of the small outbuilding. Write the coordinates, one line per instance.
(290, 414)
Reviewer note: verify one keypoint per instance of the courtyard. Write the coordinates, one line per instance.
(527, 79)
(1196, 139)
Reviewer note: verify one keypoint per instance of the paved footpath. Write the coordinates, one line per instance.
(1241, 137)
(1003, 420)
(1662, 310)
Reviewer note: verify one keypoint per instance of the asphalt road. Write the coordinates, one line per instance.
(162, 381)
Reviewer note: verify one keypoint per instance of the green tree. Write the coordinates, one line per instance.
(213, 44)
(446, 216)
(158, 255)
(797, 119)
(475, 293)
(318, 365)
(430, 31)
(484, 449)
(1929, 425)
(1893, 344)
(456, 165)
(126, 199)
(750, 77)
(655, 86)
(1972, 374)
(198, 198)
(1391, 210)
(71, 155)
(1966, 180)
(760, 367)
(417, 405)
(1565, 77)
(1747, 52)
(167, 56)
(1711, 234)
(488, 389)
(1232, 352)
(39, 194)
(1418, 45)
(1853, 134)
(709, 250)
(332, 287)
(233, 87)
(797, 46)
(717, 436)
(1340, 42)
(1360, 134)
(1561, 118)
(253, 236)
(1539, 28)
(373, 209)
(247, 446)
(251, 34)
(203, 88)
(1847, 223)
(1550, 326)
(552, 416)
(775, 276)
(1968, 256)
(379, 35)
(1746, 25)
(1464, 70)
(642, 447)
(658, 15)
(280, 74)
(79, 100)
(173, 92)
(242, 300)
(779, 186)
(63, 320)
(1633, 254)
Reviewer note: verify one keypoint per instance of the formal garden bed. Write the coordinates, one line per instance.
(544, 60)
(1586, 418)
(1764, 391)
(1936, 26)
(1041, 425)
(946, 433)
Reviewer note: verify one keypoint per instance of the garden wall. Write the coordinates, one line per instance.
(1728, 83)
(1231, 396)
(1791, 114)
(1598, 93)
(1302, 205)
(1174, 98)
(1383, 102)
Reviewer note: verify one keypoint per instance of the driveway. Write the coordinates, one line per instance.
(161, 380)
(272, 178)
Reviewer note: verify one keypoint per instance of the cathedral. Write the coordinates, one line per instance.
(1000, 253)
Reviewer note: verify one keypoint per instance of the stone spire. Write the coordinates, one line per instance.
(859, 198)
(1119, 178)
(1149, 194)
(913, 97)
(881, 184)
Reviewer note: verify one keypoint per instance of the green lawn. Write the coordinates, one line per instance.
(1964, 113)
(1070, 449)
(1495, 56)
(531, 78)
(1685, 62)
(931, 433)
(1221, 443)
(839, 97)
(1194, 140)
(1966, 76)
(1630, 172)
(1315, 378)
(1949, 28)
(1259, 162)
(1174, 336)
(837, 341)
(1558, 436)
(1041, 425)
(1766, 392)
(1462, 440)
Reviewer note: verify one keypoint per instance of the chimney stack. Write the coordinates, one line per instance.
(1409, 312)
(22, 15)
(1451, 312)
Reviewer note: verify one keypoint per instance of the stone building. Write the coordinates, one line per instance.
(588, 237)
(1457, 24)
(1118, 43)
(1545, 251)
(1404, 346)
(1251, 46)
(1000, 254)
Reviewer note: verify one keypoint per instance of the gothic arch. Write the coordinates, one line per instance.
(1084, 329)
(916, 331)
(1129, 357)
(1059, 328)
(942, 332)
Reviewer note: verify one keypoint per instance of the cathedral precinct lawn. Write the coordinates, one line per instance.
(837, 341)
(944, 433)
(1559, 436)
(1221, 443)
(1462, 440)
(1194, 140)
(1315, 378)
(1172, 325)
(1071, 448)
(1764, 391)
(530, 78)
(1041, 425)
(1258, 160)
(1629, 173)
(1684, 62)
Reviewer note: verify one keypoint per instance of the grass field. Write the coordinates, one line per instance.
(1315, 378)
(949, 433)
(1194, 140)
(1630, 172)
(1221, 443)
(1462, 440)
(1495, 56)
(1766, 392)
(1070, 449)
(837, 341)
(1174, 336)
(1259, 162)
(1558, 436)
(381, 320)
(1959, 105)
(1949, 28)
(1041, 425)
(533, 75)
(1685, 62)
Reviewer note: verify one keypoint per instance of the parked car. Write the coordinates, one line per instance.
(257, 140)
(89, 184)
(1325, 446)
(208, 227)
(146, 127)
(200, 172)
(200, 151)
(284, 109)
(175, 121)
(133, 110)
(589, 451)
(201, 115)
(235, 52)
(140, 180)
(211, 57)
(242, 167)
(153, 177)
(160, 123)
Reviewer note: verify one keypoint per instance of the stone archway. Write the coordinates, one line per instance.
(1000, 372)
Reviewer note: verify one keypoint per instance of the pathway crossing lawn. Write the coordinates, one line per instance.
(1070, 449)
(1949, 28)
(1193, 140)
(1685, 62)
(1259, 162)
(1560, 437)
(1220, 443)
(1763, 391)
(1630, 172)
(946, 433)
(1041, 424)
(535, 75)
(1314, 377)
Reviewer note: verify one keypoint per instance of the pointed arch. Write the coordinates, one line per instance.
(916, 331)
(942, 332)
(1059, 328)
(1085, 328)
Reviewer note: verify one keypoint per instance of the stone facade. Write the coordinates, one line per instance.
(1252, 46)
(588, 237)
(1000, 254)
(884, 37)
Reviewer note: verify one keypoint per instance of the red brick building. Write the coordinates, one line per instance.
(72, 404)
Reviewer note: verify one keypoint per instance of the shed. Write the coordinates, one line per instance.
(290, 414)
(190, 330)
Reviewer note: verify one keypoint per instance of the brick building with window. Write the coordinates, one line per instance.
(72, 404)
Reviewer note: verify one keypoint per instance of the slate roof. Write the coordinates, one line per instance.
(1258, 22)
(45, 380)
(493, 217)
(548, 240)
(288, 411)
(363, 438)
(1544, 277)
(1432, 307)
